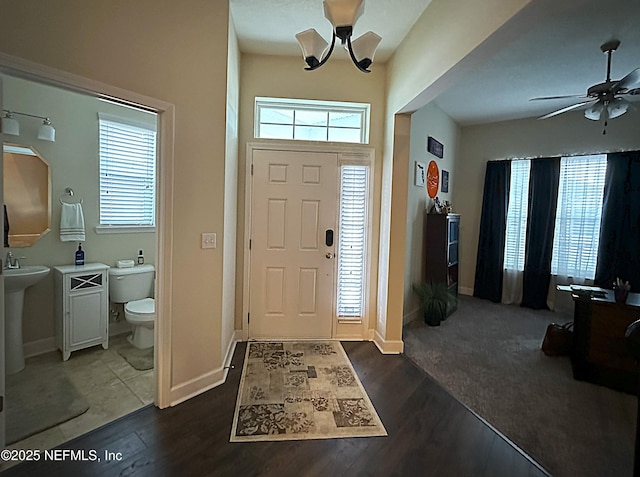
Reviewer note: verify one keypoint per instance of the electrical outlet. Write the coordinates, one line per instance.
(208, 240)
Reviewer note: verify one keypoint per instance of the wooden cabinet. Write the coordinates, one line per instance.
(82, 307)
(442, 232)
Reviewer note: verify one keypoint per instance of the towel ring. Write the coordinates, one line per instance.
(68, 191)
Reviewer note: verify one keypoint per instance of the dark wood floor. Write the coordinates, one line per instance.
(430, 433)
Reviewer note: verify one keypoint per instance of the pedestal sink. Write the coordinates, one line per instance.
(16, 281)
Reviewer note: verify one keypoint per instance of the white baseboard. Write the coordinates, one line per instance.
(465, 291)
(47, 345)
(242, 335)
(207, 381)
(388, 346)
(412, 315)
(196, 386)
(38, 347)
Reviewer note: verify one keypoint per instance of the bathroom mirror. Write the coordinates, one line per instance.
(27, 194)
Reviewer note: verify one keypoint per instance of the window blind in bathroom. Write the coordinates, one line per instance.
(127, 172)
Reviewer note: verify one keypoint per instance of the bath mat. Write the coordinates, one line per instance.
(301, 390)
(37, 401)
(141, 359)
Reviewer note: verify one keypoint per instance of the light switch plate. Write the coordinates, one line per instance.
(208, 240)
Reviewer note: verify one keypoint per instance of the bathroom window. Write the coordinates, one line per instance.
(308, 120)
(127, 174)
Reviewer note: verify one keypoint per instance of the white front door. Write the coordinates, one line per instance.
(293, 239)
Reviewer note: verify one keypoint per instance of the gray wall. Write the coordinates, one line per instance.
(428, 121)
(73, 159)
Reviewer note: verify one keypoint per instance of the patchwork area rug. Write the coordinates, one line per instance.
(140, 359)
(301, 390)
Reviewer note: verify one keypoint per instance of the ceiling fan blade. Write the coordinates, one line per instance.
(564, 110)
(629, 82)
(559, 97)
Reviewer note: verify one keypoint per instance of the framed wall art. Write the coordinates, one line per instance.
(420, 174)
(435, 147)
(445, 181)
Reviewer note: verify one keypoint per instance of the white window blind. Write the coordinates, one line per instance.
(352, 241)
(577, 227)
(127, 172)
(278, 118)
(517, 215)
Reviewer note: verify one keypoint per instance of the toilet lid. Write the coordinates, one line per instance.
(146, 306)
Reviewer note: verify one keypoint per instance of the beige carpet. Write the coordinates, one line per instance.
(488, 356)
(301, 390)
(38, 401)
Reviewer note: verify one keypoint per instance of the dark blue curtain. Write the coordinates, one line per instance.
(543, 200)
(619, 249)
(493, 223)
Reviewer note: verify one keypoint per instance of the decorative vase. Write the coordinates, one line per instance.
(620, 295)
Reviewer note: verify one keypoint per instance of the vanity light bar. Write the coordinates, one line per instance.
(11, 126)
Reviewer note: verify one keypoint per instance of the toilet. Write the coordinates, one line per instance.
(133, 286)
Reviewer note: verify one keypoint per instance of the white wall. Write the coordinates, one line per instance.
(428, 121)
(74, 163)
(567, 134)
(231, 190)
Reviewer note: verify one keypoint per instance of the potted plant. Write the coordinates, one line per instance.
(434, 297)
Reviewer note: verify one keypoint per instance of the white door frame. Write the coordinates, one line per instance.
(3, 403)
(21, 68)
(356, 330)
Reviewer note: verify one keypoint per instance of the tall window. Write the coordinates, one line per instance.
(352, 243)
(517, 215)
(578, 215)
(127, 173)
(577, 229)
(311, 120)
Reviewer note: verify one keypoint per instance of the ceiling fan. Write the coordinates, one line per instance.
(603, 100)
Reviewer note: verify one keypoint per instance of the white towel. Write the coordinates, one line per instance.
(71, 223)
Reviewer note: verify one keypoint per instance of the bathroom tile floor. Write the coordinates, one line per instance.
(112, 387)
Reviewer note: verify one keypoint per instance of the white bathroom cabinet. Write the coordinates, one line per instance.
(82, 307)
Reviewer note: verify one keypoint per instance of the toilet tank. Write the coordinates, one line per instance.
(129, 284)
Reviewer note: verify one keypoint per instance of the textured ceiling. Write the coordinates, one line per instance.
(559, 55)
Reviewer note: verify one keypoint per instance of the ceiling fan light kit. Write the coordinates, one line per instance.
(604, 100)
(342, 14)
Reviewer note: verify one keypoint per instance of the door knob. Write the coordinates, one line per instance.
(329, 255)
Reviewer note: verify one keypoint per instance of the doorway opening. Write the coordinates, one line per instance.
(157, 250)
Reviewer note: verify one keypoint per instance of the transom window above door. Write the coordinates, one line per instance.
(308, 120)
